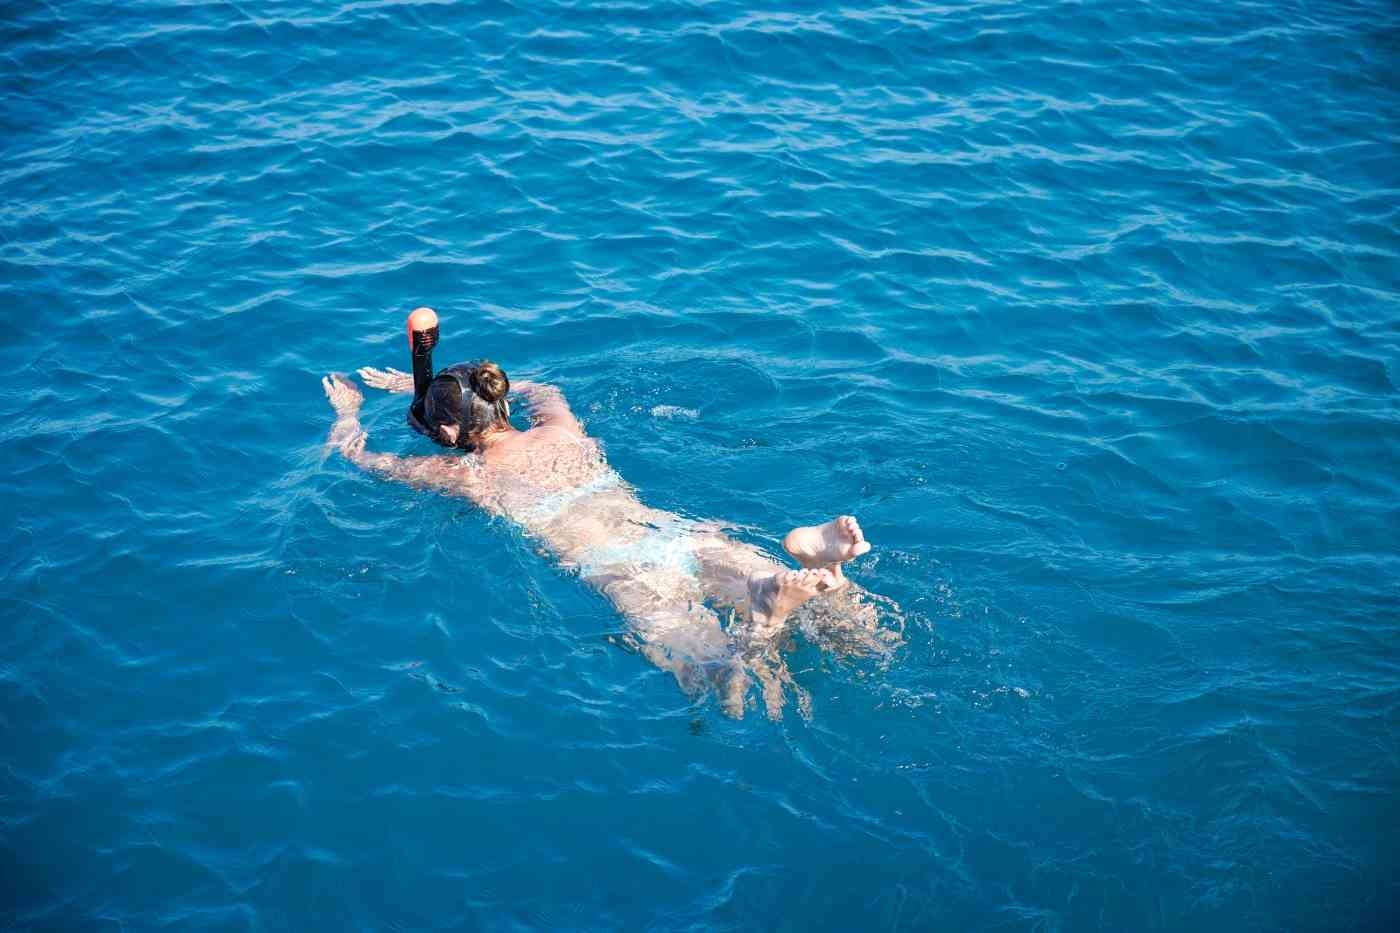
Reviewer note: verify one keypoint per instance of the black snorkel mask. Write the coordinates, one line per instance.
(445, 398)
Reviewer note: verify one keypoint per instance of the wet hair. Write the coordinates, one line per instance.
(471, 396)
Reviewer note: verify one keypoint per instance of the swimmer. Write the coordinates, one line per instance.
(661, 571)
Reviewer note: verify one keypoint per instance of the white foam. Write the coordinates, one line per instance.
(674, 411)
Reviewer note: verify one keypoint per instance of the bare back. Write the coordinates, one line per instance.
(556, 484)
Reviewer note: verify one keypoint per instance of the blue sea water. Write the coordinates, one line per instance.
(1089, 310)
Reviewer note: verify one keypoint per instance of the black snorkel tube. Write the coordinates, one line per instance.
(422, 337)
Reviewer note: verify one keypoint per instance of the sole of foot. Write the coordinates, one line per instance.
(775, 595)
(827, 545)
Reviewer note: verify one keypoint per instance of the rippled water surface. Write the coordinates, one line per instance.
(1090, 311)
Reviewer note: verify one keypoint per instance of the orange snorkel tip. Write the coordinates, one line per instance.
(422, 330)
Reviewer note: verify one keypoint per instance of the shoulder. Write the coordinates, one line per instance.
(441, 471)
(555, 432)
(535, 441)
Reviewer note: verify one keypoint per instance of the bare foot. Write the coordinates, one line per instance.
(827, 546)
(773, 596)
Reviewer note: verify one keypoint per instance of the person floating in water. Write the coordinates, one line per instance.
(661, 571)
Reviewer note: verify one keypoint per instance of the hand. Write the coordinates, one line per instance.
(343, 395)
(390, 380)
(347, 437)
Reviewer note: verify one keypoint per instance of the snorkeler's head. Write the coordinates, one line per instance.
(463, 403)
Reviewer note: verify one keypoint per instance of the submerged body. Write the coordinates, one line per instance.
(664, 573)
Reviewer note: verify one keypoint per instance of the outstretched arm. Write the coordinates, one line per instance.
(547, 406)
(349, 438)
(390, 380)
